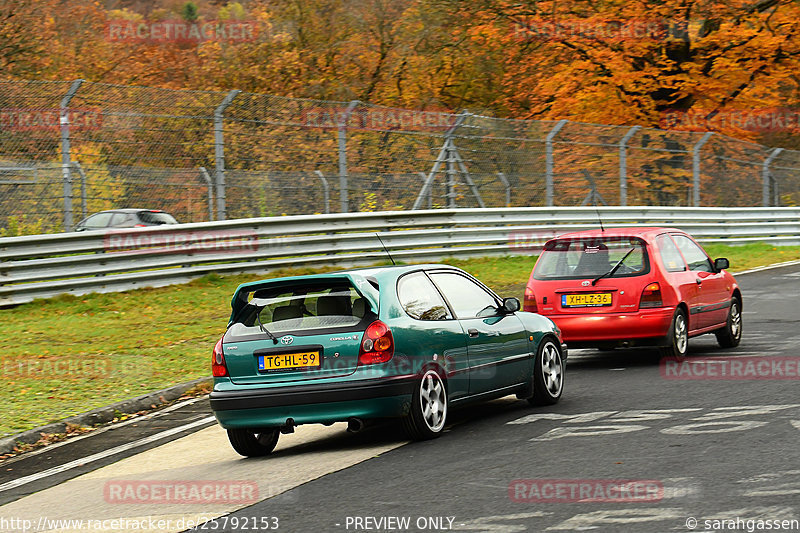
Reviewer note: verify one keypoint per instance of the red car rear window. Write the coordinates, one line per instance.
(589, 257)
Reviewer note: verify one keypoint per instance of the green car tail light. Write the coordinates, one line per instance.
(218, 368)
(377, 344)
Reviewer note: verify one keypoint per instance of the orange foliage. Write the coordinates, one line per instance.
(611, 61)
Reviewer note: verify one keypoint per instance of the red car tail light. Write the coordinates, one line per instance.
(651, 296)
(377, 344)
(529, 303)
(218, 368)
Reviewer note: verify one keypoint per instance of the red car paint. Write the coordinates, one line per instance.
(635, 315)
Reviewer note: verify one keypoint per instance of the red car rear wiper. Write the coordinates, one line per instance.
(614, 268)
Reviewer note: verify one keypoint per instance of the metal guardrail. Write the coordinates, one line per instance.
(42, 266)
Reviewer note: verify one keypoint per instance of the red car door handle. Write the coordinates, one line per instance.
(698, 281)
(472, 332)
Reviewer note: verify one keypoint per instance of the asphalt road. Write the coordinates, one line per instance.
(696, 453)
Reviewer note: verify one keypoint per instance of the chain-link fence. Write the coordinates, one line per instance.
(68, 149)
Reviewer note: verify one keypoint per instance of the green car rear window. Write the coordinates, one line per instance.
(301, 309)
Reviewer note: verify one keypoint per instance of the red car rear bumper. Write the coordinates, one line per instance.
(642, 325)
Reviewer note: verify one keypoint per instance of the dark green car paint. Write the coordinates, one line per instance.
(497, 362)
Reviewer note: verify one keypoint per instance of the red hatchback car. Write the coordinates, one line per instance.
(634, 287)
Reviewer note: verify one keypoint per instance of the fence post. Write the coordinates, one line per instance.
(344, 196)
(696, 167)
(326, 191)
(451, 159)
(79, 168)
(776, 193)
(209, 185)
(623, 165)
(425, 186)
(548, 163)
(66, 172)
(507, 186)
(765, 175)
(447, 155)
(450, 170)
(219, 153)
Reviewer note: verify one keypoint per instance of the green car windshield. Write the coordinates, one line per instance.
(591, 257)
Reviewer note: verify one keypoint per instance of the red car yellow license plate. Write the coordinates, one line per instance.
(598, 299)
(289, 361)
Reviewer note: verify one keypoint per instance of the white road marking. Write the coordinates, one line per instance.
(716, 420)
(681, 487)
(585, 521)
(109, 427)
(102, 455)
(782, 489)
(755, 513)
(768, 267)
(774, 484)
(587, 431)
(575, 419)
(703, 428)
(640, 415)
(731, 412)
(499, 523)
(769, 476)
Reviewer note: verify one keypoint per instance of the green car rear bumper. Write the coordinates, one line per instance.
(312, 403)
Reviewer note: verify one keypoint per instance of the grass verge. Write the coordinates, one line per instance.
(67, 355)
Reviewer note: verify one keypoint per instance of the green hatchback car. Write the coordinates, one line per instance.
(406, 342)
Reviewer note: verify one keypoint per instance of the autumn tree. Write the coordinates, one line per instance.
(26, 28)
(628, 62)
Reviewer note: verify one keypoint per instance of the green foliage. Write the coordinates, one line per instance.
(189, 12)
(370, 202)
(234, 11)
(23, 225)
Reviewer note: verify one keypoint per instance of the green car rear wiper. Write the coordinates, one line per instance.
(614, 268)
(265, 330)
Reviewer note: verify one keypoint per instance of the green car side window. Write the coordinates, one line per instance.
(467, 299)
(420, 299)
